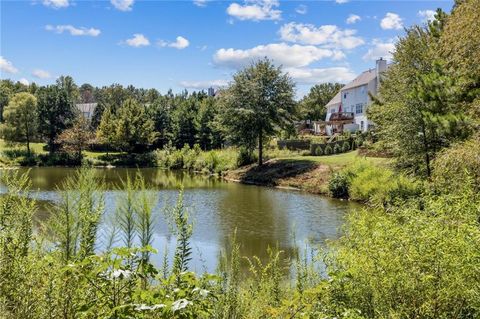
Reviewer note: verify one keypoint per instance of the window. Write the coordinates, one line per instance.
(359, 108)
(361, 126)
(345, 95)
(332, 110)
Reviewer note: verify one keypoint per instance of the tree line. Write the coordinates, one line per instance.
(258, 104)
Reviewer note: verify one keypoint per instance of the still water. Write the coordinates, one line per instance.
(262, 217)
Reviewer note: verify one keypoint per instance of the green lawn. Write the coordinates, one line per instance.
(37, 148)
(343, 159)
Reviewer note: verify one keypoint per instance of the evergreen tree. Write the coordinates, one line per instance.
(55, 113)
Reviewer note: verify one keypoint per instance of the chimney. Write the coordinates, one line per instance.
(380, 67)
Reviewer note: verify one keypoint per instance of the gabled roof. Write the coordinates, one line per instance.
(336, 99)
(364, 78)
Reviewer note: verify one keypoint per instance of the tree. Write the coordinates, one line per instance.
(67, 84)
(130, 129)
(106, 129)
(20, 117)
(258, 102)
(55, 113)
(312, 105)
(161, 114)
(77, 138)
(209, 131)
(417, 112)
(184, 122)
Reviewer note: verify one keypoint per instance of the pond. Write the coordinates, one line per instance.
(262, 217)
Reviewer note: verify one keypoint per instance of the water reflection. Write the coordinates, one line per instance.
(262, 217)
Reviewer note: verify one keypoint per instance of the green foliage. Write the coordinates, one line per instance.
(74, 222)
(133, 128)
(414, 258)
(318, 151)
(245, 157)
(422, 107)
(312, 105)
(413, 261)
(339, 184)
(55, 112)
(20, 120)
(337, 149)
(456, 165)
(258, 102)
(346, 147)
(328, 150)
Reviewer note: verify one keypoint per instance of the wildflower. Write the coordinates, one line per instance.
(180, 304)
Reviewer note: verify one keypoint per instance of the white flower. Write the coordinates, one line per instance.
(144, 307)
(121, 273)
(180, 304)
(201, 292)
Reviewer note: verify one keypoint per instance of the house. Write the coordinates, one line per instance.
(86, 109)
(347, 111)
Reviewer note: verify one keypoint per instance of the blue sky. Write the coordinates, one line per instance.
(195, 44)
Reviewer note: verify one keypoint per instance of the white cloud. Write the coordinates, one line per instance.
(281, 54)
(341, 1)
(328, 35)
(41, 74)
(138, 40)
(7, 66)
(200, 3)
(255, 10)
(82, 31)
(427, 15)
(56, 4)
(301, 9)
(123, 5)
(180, 43)
(380, 49)
(198, 85)
(353, 18)
(24, 81)
(391, 21)
(321, 75)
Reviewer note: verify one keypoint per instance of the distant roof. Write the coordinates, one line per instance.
(362, 79)
(336, 99)
(86, 107)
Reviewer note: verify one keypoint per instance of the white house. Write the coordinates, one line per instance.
(347, 110)
(86, 109)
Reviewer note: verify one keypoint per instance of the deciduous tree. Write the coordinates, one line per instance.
(20, 117)
(258, 102)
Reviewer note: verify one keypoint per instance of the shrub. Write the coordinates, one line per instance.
(318, 151)
(328, 150)
(339, 184)
(245, 157)
(346, 147)
(337, 149)
(455, 165)
(380, 185)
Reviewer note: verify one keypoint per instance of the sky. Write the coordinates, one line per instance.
(195, 44)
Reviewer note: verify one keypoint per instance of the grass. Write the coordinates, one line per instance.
(338, 160)
(38, 149)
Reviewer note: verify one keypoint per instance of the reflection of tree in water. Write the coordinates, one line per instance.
(259, 221)
(48, 178)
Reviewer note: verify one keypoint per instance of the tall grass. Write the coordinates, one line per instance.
(414, 259)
